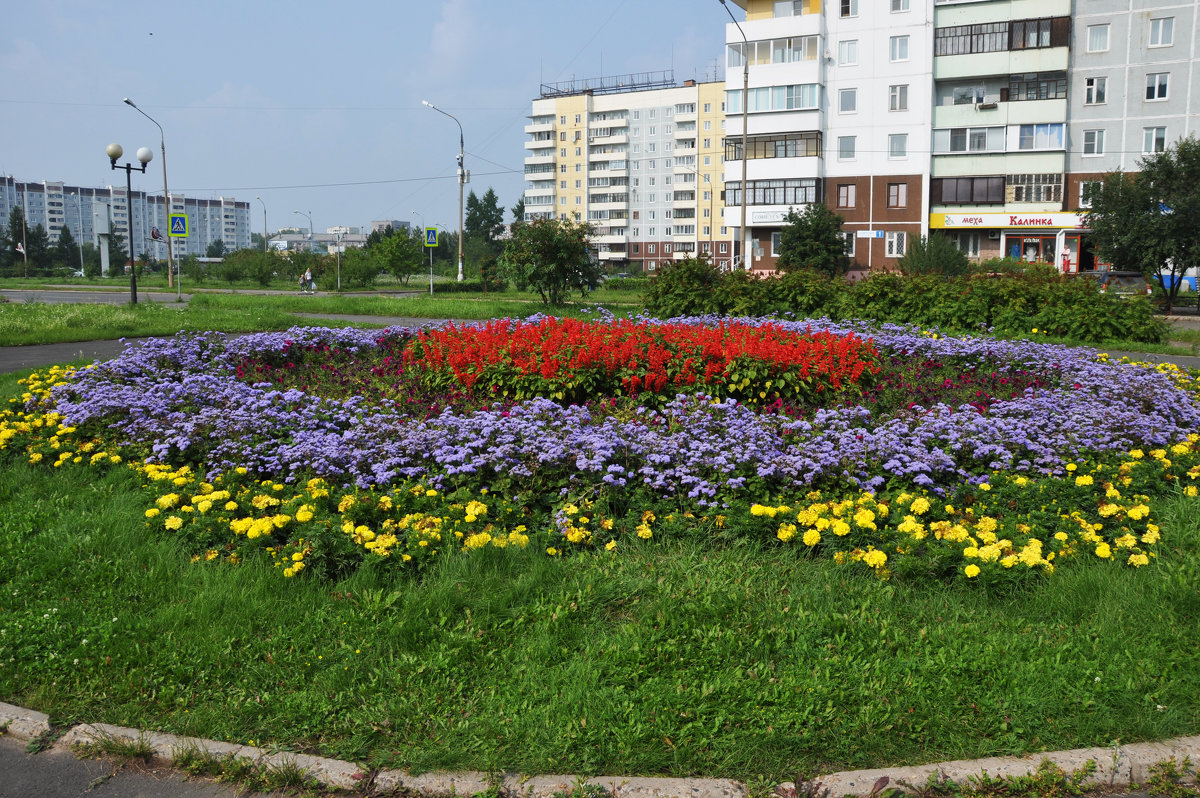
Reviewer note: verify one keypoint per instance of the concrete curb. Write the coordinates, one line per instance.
(1118, 766)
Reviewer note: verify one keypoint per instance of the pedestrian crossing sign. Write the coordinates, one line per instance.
(179, 225)
(431, 236)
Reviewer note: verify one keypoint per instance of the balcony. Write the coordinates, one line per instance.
(539, 144)
(612, 137)
(540, 127)
(539, 157)
(600, 120)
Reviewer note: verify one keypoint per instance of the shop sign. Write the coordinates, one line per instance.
(989, 220)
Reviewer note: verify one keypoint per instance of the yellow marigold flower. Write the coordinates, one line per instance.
(173, 523)
(153, 511)
(1009, 561)
(762, 510)
(168, 501)
(1084, 480)
(1138, 511)
(345, 504)
(1020, 481)
(431, 493)
(786, 532)
(865, 518)
(643, 531)
(478, 540)
(812, 537)
(476, 508)
(875, 558)
(984, 486)
(971, 552)
(1191, 491)
(204, 506)
(1103, 551)
(1109, 510)
(610, 545)
(606, 524)
(971, 571)
(1138, 560)
(648, 517)
(36, 457)
(841, 528)
(1180, 448)
(919, 506)
(987, 524)
(553, 552)
(304, 515)
(1072, 467)
(385, 503)
(515, 538)
(1126, 541)
(231, 505)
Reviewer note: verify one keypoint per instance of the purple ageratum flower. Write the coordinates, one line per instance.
(179, 398)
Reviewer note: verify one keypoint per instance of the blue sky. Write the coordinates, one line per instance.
(316, 106)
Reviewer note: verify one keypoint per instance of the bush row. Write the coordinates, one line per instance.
(1010, 303)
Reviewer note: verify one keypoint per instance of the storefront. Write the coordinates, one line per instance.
(1055, 238)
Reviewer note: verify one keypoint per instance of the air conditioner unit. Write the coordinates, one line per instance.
(993, 235)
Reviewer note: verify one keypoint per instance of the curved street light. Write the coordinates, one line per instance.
(311, 231)
(264, 204)
(145, 155)
(745, 108)
(166, 196)
(462, 176)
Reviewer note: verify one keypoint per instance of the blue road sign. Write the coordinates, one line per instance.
(431, 236)
(179, 225)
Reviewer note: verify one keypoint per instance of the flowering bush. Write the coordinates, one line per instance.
(971, 457)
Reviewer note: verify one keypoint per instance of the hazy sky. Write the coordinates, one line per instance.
(316, 106)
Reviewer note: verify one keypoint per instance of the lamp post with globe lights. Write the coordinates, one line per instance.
(166, 197)
(144, 155)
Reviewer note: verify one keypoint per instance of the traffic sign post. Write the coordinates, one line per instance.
(431, 242)
(178, 227)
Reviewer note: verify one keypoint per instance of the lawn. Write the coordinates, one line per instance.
(875, 547)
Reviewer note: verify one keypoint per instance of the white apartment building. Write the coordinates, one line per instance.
(636, 156)
(55, 205)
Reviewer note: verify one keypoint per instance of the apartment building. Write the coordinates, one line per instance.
(984, 119)
(636, 156)
(88, 210)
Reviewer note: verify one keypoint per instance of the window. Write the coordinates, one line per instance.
(848, 52)
(562, 183)
(849, 8)
(898, 145)
(562, 120)
(578, 151)
(651, 248)
(898, 97)
(1030, 34)
(986, 37)
(707, 108)
(899, 5)
(562, 153)
(776, 240)
(562, 168)
(790, 191)
(967, 243)
(578, 119)
(1162, 32)
(1093, 142)
(847, 242)
(1156, 86)
(845, 148)
(897, 195)
(1037, 86)
(1154, 139)
(562, 136)
(1097, 41)
(578, 184)
(846, 195)
(968, 139)
(966, 191)
(1035, 187)
(895, 244)
(1041, 137)
(1087, 189)
(792, 8)
(1094, 91)
(899, 48)
(847, 101)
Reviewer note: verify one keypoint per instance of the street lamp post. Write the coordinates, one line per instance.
(745, 109)
(338, 244)
(422, 218)
(462, 178)
(311, 231)
(166, 197)
(260, 199)
(145, 155)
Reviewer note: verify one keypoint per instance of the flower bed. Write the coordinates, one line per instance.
(1008, 445)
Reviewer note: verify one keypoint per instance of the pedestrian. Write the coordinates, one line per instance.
(309, 281)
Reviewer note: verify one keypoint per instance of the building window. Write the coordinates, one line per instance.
(724, 247)
(899, 5)
(1035, 187)
(1038, 86)
(898, 145)
(651, 248)
(967, 243)
(848, 243)
(578, 119)
(1030, 34)
(1156, 86)
(789, 191)
(1041, 137)
(848, 52)
(968, 139)
(562, 183)
(1162, 32)
(898, 97)
(849, 8)
(1094, 91)
(966, 191)
(776, 240)
(792, 8)
(1087, 190)
(899, 48)
(895, 244)
(847, 101)
(1154, 139)
(846, 195)
(1097, 41)
(897, 195)
(845, 148)
(1093, 142)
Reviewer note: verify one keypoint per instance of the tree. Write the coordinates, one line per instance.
(936, 254)
(66, 251)
(812, 239)
(400, 255)
(37, 245)
(552, 257)
(485, 218)
(13, 260)
(1147, 221)
(117, 254)
(518, 211)
(215, 250)
(91, 261)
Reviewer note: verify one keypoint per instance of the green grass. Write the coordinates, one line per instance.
(673, 658)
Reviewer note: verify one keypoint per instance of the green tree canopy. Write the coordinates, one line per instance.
(215, 250)
(67, 251)
(400, 255)
(484, 219)
(518, 211)
(551, 257)
(1147, 221)
(41, 253)
(812, 239)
